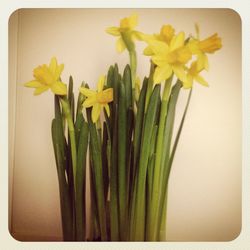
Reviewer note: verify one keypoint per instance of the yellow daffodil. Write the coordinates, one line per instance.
(193, 74)
(166, 34)
(97, 99)
(201, 47)
(170, 58)
(48, 77)
(126, 33)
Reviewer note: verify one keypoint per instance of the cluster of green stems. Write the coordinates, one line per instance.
(130, 158)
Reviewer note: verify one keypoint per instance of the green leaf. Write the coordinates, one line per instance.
(114, 220)
(115, 86)
(138, 127)
(96, 152)
(152, 216)
(110, 77)
(128, 86)
(78, 126)
(65, 201)
(94, 221)
(105, 160)
(136, 153)
(122, 162)
(169, 155)
(114, 206)
(138, 220)
(81, 183)
(168, 162)
(71, 97)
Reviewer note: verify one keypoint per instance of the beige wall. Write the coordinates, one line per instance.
(205, 186)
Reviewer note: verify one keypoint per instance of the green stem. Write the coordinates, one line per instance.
(150, 85)
(67, 113)
(97, 170)
(163, 220)
(133, 66)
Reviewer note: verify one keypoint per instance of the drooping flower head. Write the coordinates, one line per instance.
(48, 77)
(203, 47)
(97, 99)
(169, 58)
(126, 33)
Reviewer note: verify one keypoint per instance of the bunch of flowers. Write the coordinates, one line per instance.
(132, 149)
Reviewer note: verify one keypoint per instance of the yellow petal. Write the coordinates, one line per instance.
(133, 20)
(206, 64)
(105, 96)
(55, 69)
(162, 73)
(89, 102)
(129, 23)
(210, 44)
(193, 46)
(106, 106)
(158, 47)
(180, 72)
(120, 45)
(41, 89)
(114, 31)
(53, 65)
(167, 33)
(137, 35)
(183, 55)
(148, 51)
(146, 37)
(109, 94)
(59, 88)
(159, 60)
(177, 41)
(43, 74)
(96, 110)
(202, 62)
(33, 84)
(189, 83)
(100, 84)
(58, 71)
(201, 80)
(87, 92)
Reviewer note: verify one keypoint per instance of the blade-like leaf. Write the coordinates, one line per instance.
(81, 183)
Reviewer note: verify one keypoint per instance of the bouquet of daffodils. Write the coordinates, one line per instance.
(131, 149)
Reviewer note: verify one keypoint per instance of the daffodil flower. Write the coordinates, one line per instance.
(48, 77)
(193, 74)
(201, 47)
(97, 99)
(166, 34)
(170, 58)
(126, 33)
